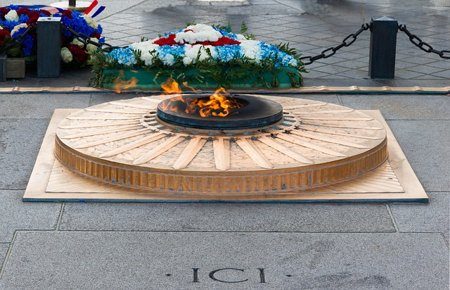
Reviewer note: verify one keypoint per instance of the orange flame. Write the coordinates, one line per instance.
(120, 84)
(171, 87)
(219, 104)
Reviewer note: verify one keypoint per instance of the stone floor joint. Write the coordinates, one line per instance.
(8, 254)
(392, 218)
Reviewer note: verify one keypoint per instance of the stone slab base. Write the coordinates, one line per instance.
(394, 181)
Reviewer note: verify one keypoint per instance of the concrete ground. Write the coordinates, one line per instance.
(256, 246)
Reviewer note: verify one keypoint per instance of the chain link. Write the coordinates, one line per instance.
(445, 54)
(85, 39)
(349, 40)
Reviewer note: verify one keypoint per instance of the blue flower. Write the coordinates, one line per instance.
(123, 56)
(9, 24)
(79, 24)
(23, 18)
(27, 45)
(169, 53)
(269, 51)
(227, 53)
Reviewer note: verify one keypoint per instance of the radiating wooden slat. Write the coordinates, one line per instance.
(158, 150)
(153, 122)
(329, 140)
(189, 152)
(112, 138)
(295, 140)
(338, 118)
(252, 151)
(132, 145)
(115, 111)
(137, 106)
(222, 153)
(102, 132)
(284, 150)
(342, 126)
(152, 100)
(90, 125)
(324, 131)
(327, 112)
(316, 104)
(103, 118)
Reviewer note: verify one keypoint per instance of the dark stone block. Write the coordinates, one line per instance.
(383, 43)
(2, 68)
(49, 47)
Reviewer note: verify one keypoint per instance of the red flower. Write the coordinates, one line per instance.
(67, 13)
(22, 10)
(4, 10)
(4, 33)
(170, 40)
(79, 54)
(96, 35)
(221, 42)
(32, 17)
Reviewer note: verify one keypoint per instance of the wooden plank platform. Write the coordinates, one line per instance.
(394, 181)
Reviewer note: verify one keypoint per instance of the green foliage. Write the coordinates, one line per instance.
(208, 73)
(244, 31)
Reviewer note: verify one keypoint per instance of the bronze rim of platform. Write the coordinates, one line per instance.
(298, 167)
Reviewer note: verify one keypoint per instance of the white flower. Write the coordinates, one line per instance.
(66, 55)
(201, 51)
(90, 21)
(18, 27)
(90, 47)
(12, 16)
(293, 62)
(251, 49)
(198, 33)
(167, 59)
(241, 37)
(147, 49)
(77, 42)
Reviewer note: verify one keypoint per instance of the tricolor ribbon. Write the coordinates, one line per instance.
(94, 9)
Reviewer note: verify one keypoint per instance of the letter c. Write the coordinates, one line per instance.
(213, 273)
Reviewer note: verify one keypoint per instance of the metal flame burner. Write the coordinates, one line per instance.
(254, 113)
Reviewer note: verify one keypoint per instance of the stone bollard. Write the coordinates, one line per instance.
(49, 47)
(3, 59)
(383, 43)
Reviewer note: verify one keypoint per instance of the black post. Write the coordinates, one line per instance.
(383, 43)
(48, 47)
(3, 68)
(72, 3)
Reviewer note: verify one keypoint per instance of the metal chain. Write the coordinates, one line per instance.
(106, 47)
(349, 40)
(422, 44)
